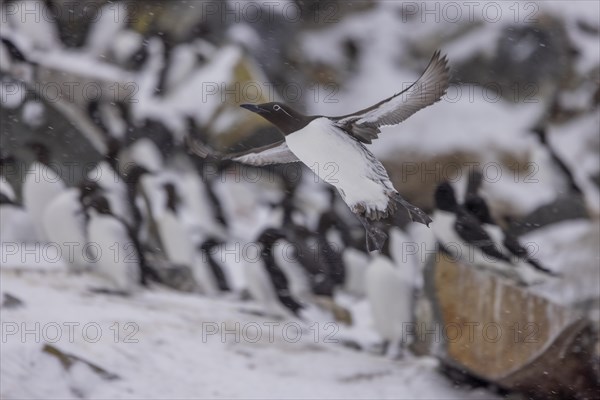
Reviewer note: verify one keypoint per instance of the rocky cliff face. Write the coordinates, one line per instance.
(485, 326)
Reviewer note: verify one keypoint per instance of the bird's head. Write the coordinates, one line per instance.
(270, 236)
(210, 243)
(100, 204)
(87, 188)
(134, 173)
(283, 117)
(40, 150)
(173, 199)
(479, 208)
(445, 199)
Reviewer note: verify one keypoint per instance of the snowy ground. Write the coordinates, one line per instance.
(170, 349)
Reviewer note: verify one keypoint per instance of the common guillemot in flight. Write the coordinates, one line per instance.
(317, 140)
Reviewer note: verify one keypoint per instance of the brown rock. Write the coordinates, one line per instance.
(493, 330)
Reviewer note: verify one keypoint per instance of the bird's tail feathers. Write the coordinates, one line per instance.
(415, 213)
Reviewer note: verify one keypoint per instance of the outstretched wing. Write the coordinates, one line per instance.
(427, 90)
(274, 153)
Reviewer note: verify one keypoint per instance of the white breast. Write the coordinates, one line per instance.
(283, 254)
(261, 288)
(114, 189)
(342, 162)
(390, 297)
(42, 184)
(114, 256)
(175, 239)
(64, 225)
(356, 263)
(16, 225)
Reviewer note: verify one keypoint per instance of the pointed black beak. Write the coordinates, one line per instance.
(253, 107)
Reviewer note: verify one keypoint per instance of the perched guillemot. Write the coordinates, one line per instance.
(389, 287)
(16, 224)
(317, 140)
(477, 205)
(64, 222)
(115, 252)
(216, 269)
(474, 203)
(463, 235)
(42, 184)
(173, 238)
(267, 283)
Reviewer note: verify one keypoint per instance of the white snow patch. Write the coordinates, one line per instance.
(164, 344)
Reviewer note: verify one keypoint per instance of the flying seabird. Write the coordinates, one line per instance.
(318, 141)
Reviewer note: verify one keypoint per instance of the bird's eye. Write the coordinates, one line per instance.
(276, 107)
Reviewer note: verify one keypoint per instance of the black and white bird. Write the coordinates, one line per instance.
(201, 205)
(474, 202)
(305, 253)
(42, 184)
(464, 236)
(319, 141)
(214, 266)
(477, 205)
(337, 237)
(266, 281)
(330, 248)
(16, 225)
(390, 289)
(115, 251)
(64, 223)
(179, 245)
